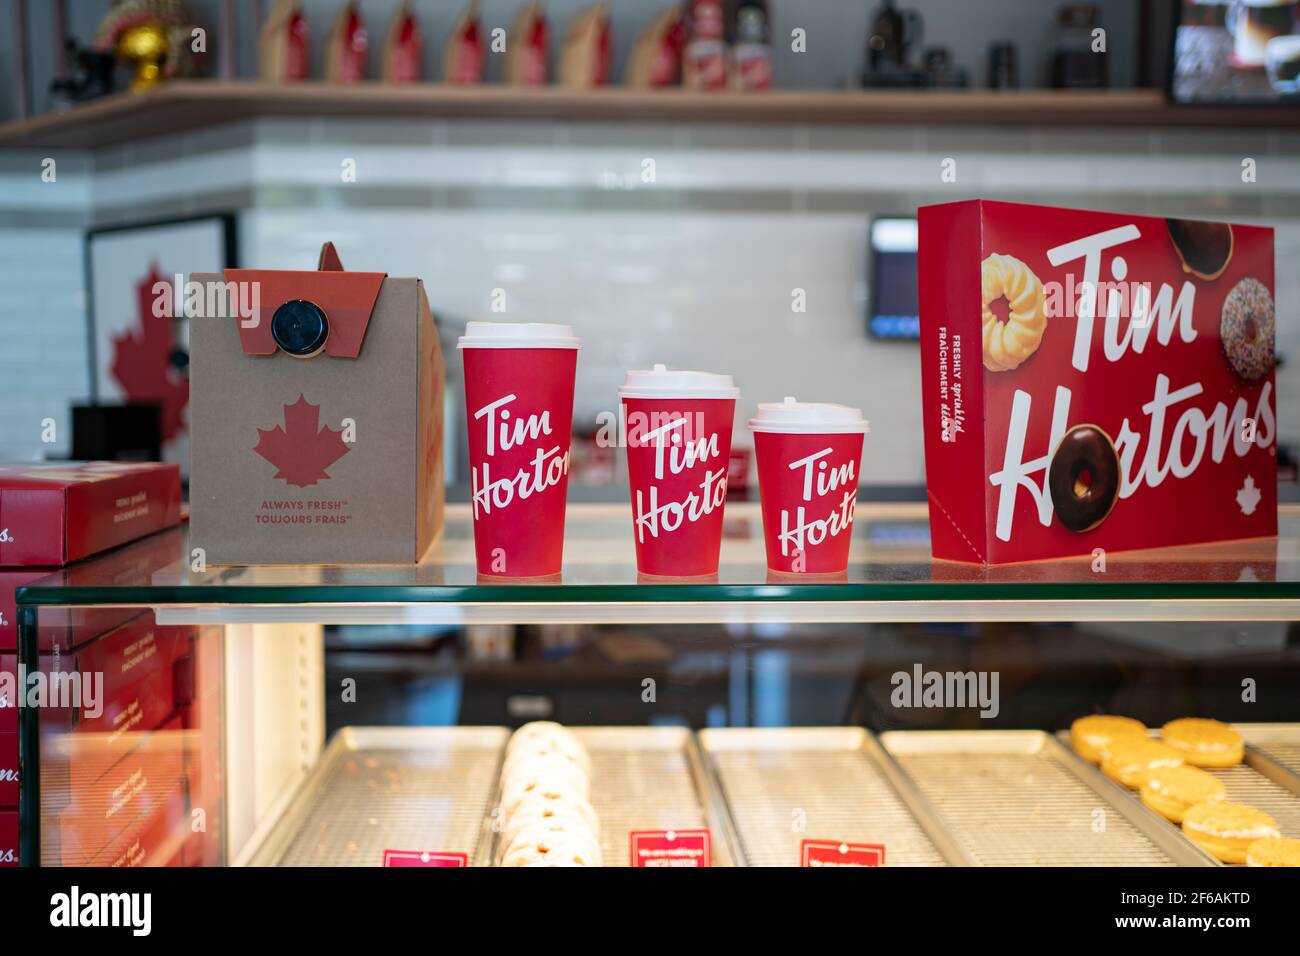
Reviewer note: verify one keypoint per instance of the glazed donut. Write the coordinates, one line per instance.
(1007, 344)
(1083, 478)
(1129, 759)
(1091, 735)
(1171, 791)
(1273, 851)
(1247, 329)
(1204, 743)
(1226, 830)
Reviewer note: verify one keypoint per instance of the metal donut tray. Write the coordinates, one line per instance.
(1020, 798)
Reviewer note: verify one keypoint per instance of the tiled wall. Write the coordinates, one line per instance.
(697, 268)
(43, 358)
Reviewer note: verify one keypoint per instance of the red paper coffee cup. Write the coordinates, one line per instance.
(519, 411)
(809, 455)
(678, 427)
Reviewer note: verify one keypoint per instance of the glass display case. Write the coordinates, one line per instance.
(909, 711)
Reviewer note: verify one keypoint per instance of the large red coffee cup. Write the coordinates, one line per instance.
(519, 410)
(678, 427)
(809, 455)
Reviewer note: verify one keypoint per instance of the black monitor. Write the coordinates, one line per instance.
(891, 294)
(117, 432)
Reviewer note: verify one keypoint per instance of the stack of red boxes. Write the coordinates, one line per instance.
(50, 517)
(8, 726)
(113, 776)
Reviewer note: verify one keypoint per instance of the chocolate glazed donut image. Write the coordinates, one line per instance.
(1204, 248)
(1083, 478)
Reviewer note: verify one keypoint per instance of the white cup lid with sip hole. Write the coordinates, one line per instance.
(517, 335)
(663, 382)
(792, 417)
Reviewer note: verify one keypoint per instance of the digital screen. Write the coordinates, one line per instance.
(892, 284)
(1236, 51)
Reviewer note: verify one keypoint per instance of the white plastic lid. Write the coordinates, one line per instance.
(792, 417)
(517, 335)
(661, 382)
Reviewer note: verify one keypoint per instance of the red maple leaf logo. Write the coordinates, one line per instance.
(142, 358)
(302, 448)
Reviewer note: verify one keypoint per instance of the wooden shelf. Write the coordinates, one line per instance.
(183, 105)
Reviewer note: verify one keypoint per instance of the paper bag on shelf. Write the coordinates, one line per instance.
(585, 57)
(462, 56)
(403, 53)
(526, 47)
(347, 46)
(656, 58)
(283, 49)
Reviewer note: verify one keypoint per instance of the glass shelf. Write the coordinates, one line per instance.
(891, 578)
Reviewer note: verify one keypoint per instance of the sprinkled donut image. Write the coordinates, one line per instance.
(1083, 478)
(1007, 344)
(1247, 329)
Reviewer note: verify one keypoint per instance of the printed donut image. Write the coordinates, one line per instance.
(1203, 247)
(1007, 344)
(1247, 329)
(1083, 478)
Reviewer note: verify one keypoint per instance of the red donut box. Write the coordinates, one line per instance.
(1153, 333)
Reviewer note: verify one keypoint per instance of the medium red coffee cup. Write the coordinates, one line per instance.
(519, 410)
(678, 427)
(809, 455)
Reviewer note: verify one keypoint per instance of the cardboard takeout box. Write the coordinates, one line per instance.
(317, 417)
(1094, 381)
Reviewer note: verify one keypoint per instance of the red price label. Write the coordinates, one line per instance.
(837, 853)
(671, 848)
(424, 858)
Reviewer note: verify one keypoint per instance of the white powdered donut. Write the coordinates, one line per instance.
(553, 748)
(567, 818)
(552, 782)
(545, 806)
(539, 730)
(572, 831)
(530, 765)
(554, 863)
(553, 849)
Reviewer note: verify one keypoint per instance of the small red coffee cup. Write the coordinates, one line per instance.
(809, 454)
(678, 427)
(519, 379)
